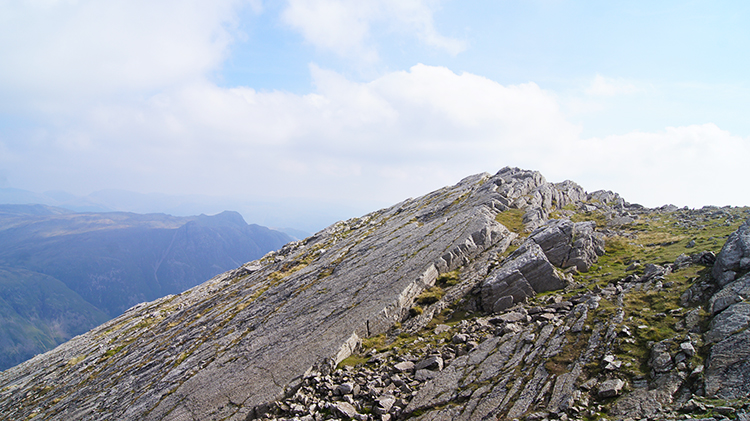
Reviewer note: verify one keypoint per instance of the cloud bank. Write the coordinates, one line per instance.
(396, 136)
(89, 48)
(113, 98)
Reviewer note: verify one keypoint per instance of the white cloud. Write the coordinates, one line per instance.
(693, 165)
(400, 135)
(86, 47)
(345, 27)
(429, 125)
(603, 86)
(149, 120)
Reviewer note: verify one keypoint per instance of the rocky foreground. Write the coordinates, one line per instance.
(502, 297)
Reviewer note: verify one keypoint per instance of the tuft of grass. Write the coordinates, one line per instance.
(113, 351)
(430, 295)
(353, 361)
(512, 219)
(570, 352)
(145, 323)
(181, 358)
(75, 360)
(448, 279)
(597, 216)
(378, 342)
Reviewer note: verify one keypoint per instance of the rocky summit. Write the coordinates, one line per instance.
(502, 297)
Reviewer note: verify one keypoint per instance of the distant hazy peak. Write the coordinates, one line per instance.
(226, 218)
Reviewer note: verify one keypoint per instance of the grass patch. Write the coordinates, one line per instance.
(378, 342)
(448, 279)
(145, 323)
(259, 292)
(353, 361)
(571, 350)
(596, 216)
(430, 295)
(512, 219)
(181, 358)
(113, 351)
(75, 360)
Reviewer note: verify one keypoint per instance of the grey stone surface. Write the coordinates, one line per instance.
(639, 404)
(385, 403)
(610, 388)
(687, 348)
(404, 366)
(732, 293)
(555, 240)
(734, 257)
(346, 409)
(424, 374)
(567, 244)
(525, 273)
(262, 342)
(433, 362)
(734, 319)
(661, 360)
(505, 302)
(728, 368)
(651, 271)
(727, 372)
(310, 302)
(440, 390)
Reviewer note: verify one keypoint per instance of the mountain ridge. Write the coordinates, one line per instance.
(110, 261)
(273, 338)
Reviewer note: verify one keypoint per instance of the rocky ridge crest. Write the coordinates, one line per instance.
(481, 300)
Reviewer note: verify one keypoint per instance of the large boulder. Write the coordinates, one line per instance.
(568, 244)
(526, 273)
(555, 240)
(734, 258)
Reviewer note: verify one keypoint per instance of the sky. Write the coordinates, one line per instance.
(341, 107)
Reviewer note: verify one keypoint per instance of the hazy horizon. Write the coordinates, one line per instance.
(334, 108)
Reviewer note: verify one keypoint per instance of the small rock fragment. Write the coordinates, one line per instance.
(404, 366)
(433, 362)
(610, 388)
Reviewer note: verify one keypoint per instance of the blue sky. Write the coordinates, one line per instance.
(359, 104)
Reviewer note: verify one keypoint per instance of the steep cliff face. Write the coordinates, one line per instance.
(503, 296)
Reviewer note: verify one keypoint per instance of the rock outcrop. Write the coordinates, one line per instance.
(567, 244)
(526, 273)
(728, 364)
(260, 328)
(424, 311)
(734, 258)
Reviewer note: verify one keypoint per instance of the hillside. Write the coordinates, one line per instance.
(502, 297)
(64, 273)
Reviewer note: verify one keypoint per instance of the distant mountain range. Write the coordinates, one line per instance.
(282, 213)
(62, 272)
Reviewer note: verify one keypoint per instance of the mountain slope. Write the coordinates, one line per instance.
(116, 260)
(38, 312)
(503, 296)
(109, 262)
